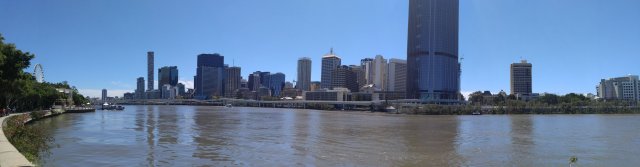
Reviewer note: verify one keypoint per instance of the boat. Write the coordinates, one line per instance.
(476, 113)
(391, 109)
(107, 106)
(228, 105)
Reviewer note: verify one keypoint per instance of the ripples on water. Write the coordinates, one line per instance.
(216, 136)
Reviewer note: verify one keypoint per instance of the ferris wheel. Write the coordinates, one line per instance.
(38, 73)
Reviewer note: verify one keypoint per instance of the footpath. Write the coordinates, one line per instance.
(9, 155)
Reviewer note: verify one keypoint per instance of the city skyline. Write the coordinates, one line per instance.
(571, 44)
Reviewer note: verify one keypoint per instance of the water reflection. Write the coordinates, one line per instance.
(218, 136)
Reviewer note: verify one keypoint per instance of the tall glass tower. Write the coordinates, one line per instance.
(433, 71)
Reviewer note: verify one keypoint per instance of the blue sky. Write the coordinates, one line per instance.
(102, 44)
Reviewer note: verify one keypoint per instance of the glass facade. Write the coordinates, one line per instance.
(209, 76)
(433, 70)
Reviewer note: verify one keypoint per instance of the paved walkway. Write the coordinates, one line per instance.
(9, 155)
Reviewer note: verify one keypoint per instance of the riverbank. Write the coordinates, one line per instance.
(9, 153)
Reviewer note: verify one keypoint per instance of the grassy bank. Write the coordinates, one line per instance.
(32, 141)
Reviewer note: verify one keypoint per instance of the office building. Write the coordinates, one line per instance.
(244, 83)
(304, 74)
(150, 69)
(344, 77)
(337, 94)
(315, 85)
(209, 78)
(377, 72)
(182, 91)
(433, 71)
(621, 88)
(129, 96)
(265, 79)
(521, 79)
(397, 75)
(254, 81)
(367, 65)
(359, 75)
(329, 64)
(168, 91)
(232, 81)
(277, 84)
(139, 94)
(168, 75)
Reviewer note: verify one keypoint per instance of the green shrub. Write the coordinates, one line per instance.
(31, 141)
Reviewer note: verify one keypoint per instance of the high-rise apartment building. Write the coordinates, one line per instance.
(304, 74)
(329, 64)
(104, 95)
(140, 88)
(150, 69)
(433, 71)
(521, 79)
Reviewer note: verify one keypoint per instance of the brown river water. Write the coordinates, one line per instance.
(219, 136)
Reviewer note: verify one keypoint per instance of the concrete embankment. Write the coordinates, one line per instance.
(9, 155)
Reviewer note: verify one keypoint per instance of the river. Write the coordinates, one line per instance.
(219, 136)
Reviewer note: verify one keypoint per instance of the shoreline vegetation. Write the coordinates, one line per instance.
(21, 93)
(32, 142)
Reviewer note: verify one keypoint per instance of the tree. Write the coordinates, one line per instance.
(12, 64)
(476, 97)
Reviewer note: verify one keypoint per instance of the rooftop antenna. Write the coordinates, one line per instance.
(331, 52)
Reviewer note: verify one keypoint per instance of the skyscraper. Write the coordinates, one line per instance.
(150, 69)
(433, 71)
(167, 75)
(304, 74)
(397, 75)
(378, 73)
(209, 76)
(329, 64)
(265, 80)
(181, 89)
(521, 78)
(367, 68)
(232, 81)
(277, 83)
(344, 77)
(359, 73)
(104, 95)
(254, 81)
(140, 88)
